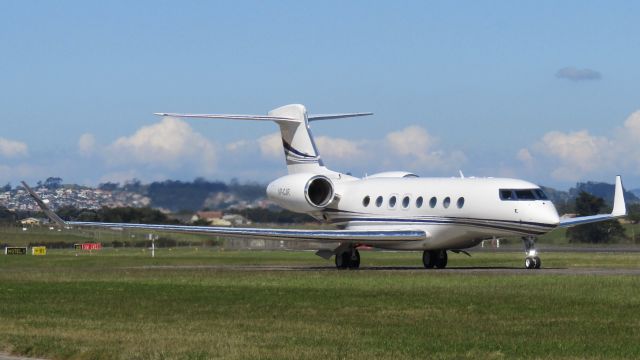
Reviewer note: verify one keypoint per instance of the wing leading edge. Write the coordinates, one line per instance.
(360, 236)
(619, 210)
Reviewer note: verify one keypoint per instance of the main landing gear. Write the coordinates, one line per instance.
(532, 261)
(348, 259)
(434, 258)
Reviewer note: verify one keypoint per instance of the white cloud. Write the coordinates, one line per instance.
(86, 145)
(417, 146)
(11, 148)
(412, 140)
(524, 155)
(632, 126)
(578, 153)
(271, 146)
(337, 148)
(169, 144)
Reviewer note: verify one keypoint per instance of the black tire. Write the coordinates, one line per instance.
(354, 263)
(529, 263)
(441, 259)
(538, 262)
(343, 260)
(428, 258)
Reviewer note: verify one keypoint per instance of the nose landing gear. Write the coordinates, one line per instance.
(532, 261)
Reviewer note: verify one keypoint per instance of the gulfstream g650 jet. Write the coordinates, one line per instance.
(391, 210)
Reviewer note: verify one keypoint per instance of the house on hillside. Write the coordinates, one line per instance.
(236, 219)
(212, 217)
(33, 221)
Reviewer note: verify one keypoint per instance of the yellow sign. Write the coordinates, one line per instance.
(39, 250)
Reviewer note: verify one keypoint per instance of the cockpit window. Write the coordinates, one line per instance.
(507, 195)
(522, 194)
(525, 195)
(541, 195)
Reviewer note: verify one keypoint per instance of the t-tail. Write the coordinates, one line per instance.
(300, 150)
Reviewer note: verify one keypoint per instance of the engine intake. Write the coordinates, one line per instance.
(302, 192)
(319, 191)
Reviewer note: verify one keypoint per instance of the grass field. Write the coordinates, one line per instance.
(202, 304)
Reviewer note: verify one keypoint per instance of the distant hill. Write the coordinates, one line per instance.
(602, 190)
(636, 192)
(179, 195)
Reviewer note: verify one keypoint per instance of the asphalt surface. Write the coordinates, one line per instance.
(416, 269)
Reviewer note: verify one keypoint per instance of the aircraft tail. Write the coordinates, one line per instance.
(301, 153)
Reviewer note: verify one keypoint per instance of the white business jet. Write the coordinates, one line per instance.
(389, 210)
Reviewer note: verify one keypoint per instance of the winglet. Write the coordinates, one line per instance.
(619, 206)
(43, 206)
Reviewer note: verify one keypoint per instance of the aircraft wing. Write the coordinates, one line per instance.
(360, 236)
(619, 210)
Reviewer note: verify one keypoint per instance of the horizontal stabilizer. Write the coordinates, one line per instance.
(336, 116)
(228, 116)
(263, 117)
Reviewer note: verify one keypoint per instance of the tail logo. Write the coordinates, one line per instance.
(297, 156)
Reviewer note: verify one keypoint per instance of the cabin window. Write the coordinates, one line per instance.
(460, 203)
(446, 202)
(366, 201)
(419, 201)
(392, 201)
(379, 201)
(433, 202)
(405, 202)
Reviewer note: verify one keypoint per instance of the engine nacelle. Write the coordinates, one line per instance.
(302, 192)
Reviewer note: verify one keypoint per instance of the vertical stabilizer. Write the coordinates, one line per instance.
(300, 150)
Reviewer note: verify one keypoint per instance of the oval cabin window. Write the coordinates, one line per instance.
(392, 201)
(446, 202)
(379, 201)
(460, 203)
(433, 202)
(419, 202)
(366, 201)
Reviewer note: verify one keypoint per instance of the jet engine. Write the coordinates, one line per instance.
(302, 192)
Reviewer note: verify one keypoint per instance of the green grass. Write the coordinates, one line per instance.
(117, 305)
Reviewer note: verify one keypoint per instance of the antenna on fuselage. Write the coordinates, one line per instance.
(461, 174)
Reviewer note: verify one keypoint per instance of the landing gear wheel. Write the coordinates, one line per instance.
(343, 260)
(441, 259)
(349, 259)
(529, 262)
(428, 258)
(532, 261)
(354, 260)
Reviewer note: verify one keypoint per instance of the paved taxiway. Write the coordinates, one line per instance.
(416, 269)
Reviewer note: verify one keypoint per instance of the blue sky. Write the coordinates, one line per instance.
(542, 90)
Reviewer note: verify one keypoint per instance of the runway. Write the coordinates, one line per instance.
(409, 269)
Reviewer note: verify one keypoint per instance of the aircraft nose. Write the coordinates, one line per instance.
(551, 215)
